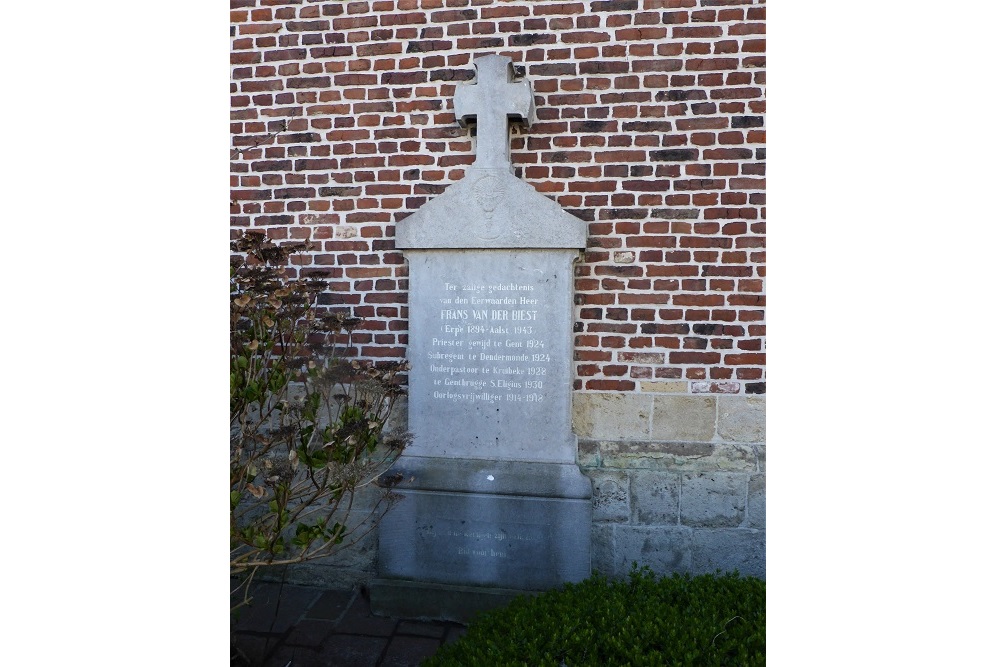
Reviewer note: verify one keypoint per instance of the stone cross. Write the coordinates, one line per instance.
(493, 100)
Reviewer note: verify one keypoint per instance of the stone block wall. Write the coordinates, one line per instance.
(679, 485)
(679, 480)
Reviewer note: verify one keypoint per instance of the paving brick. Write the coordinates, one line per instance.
(359, 620)
(353, 650)
(310, 633)
(409, 651)
(274, 608)
(421, 629)
(331, 605)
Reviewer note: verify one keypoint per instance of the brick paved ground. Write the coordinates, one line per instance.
(300, 626)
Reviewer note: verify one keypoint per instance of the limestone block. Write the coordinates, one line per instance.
(397, 421)
(713, 500)
(487, 523)
(665, 549)
(655, 497)
(675, 456)
(603, 549)
(490, 353)
(611, 416)
(611, 495)
(741, 418)
(756, 506)
(688, 418)
(668, 387)
(727, 549)
(588, 454)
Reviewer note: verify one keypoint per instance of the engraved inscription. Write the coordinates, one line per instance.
(486, 347)
(490, 543)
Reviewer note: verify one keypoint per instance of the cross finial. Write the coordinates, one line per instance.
(493, 100)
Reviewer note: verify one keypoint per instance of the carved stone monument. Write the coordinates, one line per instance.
(493, 502)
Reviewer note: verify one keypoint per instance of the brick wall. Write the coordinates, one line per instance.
(650, 127)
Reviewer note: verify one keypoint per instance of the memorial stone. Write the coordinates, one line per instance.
(492, 497)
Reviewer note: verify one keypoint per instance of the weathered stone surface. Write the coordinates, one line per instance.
(489, 207)
(485, 476)
(713, 499)
(525, 542)
(611, 494)
(728, 549)
(603, 548)
(611, 416)
(589, 454)
(684, 418)
(677, 549)
(491, 101)
(495, 210)
(756, 502)
(669, 456)
(664, 549)
(397, 421)
(672, 387)
(350, 564)
(741, 418)
(489, 345)
(655, 497)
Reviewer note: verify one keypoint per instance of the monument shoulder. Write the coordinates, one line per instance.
(490, 208)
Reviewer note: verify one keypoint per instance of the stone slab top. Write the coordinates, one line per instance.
(512, 478)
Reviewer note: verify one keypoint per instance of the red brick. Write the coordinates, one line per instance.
(746, 29)
(745, 359)
(687, 357)
(703, 64)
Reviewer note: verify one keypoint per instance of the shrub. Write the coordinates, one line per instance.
(642, 620)
(306, 421)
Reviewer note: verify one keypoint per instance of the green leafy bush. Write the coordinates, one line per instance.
(307, 423)
(642, 620)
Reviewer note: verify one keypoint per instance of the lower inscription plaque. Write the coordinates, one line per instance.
(510, 541)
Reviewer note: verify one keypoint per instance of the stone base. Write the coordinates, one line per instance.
(493, 524)
(436, 602)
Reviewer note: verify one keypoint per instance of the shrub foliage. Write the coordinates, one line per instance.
(307, 421)
(704, 621)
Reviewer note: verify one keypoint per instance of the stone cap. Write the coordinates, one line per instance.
(510, 478)
(491, 208)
